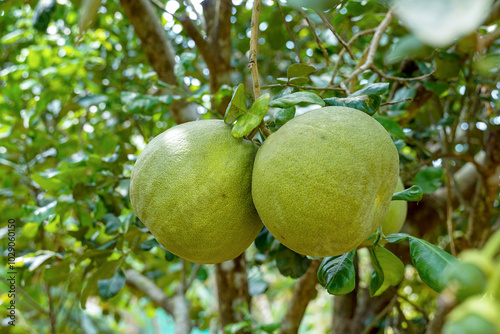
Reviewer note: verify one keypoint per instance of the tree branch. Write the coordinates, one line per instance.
(150, 289)
(192, 30)
(232, 290)
(254, 38)
(316, 37)
(158, 50)
(292, 37)
(332, 29)
(372, 50)
(302, 295)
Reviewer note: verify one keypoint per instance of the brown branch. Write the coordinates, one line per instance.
(415, 306)
(395, 102)
(198, 14)
(192, 30)
(445, 303)
(150, 289)
(316, 37)
(372, 50)
(399, 79)
(342, 52)
(303, 87)
(254, 38)
(332, 29)
(289, 31)
(158, 51)
(154, 42)
(494, 14)
(303, 293)
(232, 290)
(380, 316)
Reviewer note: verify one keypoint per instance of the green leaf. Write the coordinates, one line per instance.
(111, 286)
(264, 240)
(299, 70)
(113, 224)
(249, 121)
(412, 194)
(429, 179)
(43, 14)
(169, 256)
(91, 283)
(39, 214)
(48, 181)
(430, 262)
(237, 106)
(396, 237)
(407, 47)
(290, 263)
(391, 267)
(281, 117)
(290, 100)
(337, 273)
(298, 81)
(33, 262)
(12, 37)
(375, 89)
(391, 126)
(377, 278)
(366, 103)
(148, 244)
(256, 286)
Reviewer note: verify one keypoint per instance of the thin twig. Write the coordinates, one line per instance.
(159, 5)
(449, 207)
(395, 102)
(302, 87)
(415, 306)
(332, 29)
(254, 38)
(264, 130)
(316, 37)
(198, 14)
(342, 52)
(29, 300)
(192, 276)
(252, 61)
(446, 143)
(289, 31)
(372, 50)
(379, 316)
(400, 79)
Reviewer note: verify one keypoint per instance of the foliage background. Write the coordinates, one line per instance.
(77, 107)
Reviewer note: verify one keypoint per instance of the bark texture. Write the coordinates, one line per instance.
(232, 290)
(303, 292)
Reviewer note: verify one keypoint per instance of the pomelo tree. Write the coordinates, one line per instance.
(86, 85)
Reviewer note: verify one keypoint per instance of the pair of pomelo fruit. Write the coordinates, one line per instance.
(321, 184)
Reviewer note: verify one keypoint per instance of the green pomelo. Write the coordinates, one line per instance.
(191, 187)
(323, 182)
(395, 217)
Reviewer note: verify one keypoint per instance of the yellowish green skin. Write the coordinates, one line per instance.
(323, 182)
(395, 217)
(191, 187)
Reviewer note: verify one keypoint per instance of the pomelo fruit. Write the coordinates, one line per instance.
(395, 217)
(191, 187)
(323, 182)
